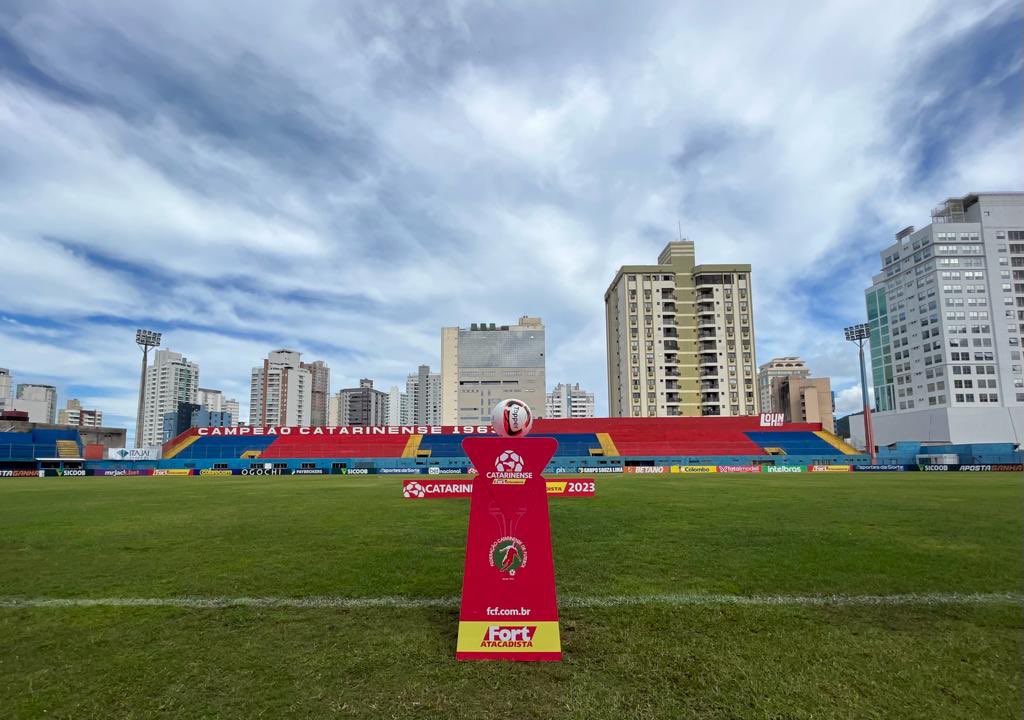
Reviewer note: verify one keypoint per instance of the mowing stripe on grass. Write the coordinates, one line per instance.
(398, 602)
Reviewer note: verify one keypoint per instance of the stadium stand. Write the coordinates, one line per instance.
(608, 437)
(38, 443)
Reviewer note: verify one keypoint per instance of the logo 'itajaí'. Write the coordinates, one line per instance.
(508, 555)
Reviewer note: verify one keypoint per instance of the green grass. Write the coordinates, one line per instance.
(851, 534)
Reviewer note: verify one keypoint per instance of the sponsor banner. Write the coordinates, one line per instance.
(123, 473)
(172, 471)
(829, 468)
(772, 419)
(71, 472)
(938, 467)
(265, 471)
(340, 430)
(215, 471)
(883, 468)
(400, 471)
(420, 489)
(600, 469)
(508, 554)
(133, 454)
(22, 473)
(783, 468)
(355, 471)
(975, 468)
(694, 468)
(739, 468)
(500, 637)
(308, 471)
(433, 470)
(646, 469)
(1008, 468)
(572, 488)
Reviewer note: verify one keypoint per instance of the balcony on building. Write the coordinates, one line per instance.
(707, 345)
(710, 399)
(705, 294)
(671, 345)
(711, 410)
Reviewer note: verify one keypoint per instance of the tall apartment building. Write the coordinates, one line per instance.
(947, 317)
(489, 363)
(75, 414)
(361, 406)
(569, 401)
(44, 394)
(423, 390)
(212, 400)
(803, 400)
(170, 379)
(5, 389)
(680, 338)
(790, 366)
(320, 390)
(398, 407)
(231, 407)
(280, 391)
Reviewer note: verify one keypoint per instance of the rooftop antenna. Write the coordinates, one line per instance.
(680, 224)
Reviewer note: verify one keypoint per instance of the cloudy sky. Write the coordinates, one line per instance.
(346, 178)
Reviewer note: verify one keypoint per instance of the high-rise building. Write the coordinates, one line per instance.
(5, 389)
(423, 390)
(170, 379)
(212, 400)
(45, 394)
(803, 400)
(398, 407)
(486, 364)
(790, 366)
(361, 406)
(680, 338)
(75, 414)
(231, 407)
(947, 316)
(569, 401)
(320, 390)
(280, 391)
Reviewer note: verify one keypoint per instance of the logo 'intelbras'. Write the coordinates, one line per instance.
(508, 555)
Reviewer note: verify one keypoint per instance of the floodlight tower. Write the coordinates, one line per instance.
(859, 334)
(145, 339)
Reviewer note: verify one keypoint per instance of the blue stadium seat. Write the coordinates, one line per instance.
(793, 443)
(218, 447)
(569, 444)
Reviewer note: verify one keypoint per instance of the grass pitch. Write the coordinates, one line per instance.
(651, 542)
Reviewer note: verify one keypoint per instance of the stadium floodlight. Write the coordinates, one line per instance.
(859, 334)
(145, 339)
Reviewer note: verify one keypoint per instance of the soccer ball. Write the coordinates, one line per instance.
(509, 461)
(512, 418)
(413, 490)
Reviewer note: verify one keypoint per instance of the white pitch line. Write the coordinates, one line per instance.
(571, 601)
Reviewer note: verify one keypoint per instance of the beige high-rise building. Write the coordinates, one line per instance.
(170, 379)
(489, 363)
(75, 414)
(320, 389)
(777, 367)
(280, 392)
(803, 399)
(680, 338)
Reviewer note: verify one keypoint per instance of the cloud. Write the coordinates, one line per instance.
(348, 180)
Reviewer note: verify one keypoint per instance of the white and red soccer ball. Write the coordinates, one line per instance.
(413, 490)
(512, 418)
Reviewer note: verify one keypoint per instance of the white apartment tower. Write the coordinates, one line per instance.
(488, 363)
(680, 338)
(170, 379)
(280, 391)
(212, 400)
(42, 396)
(569, 401)
(5, 389)
(947, 317)
(75, 414)
(423, 393)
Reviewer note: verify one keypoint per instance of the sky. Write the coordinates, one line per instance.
(344, 179)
